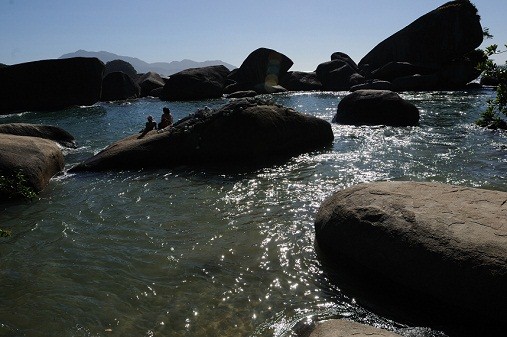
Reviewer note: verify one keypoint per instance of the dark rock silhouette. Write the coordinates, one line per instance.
(339, 74)
(3, 65)
(37, 158)
(261, 71)
(149, 82)
(438, 37)
(376, 107)
(117, 86)
(372, 85)
(120, 65)
(195, 84)
(441, 242)
(50, 132)
(244, 132)
(242, 94)
(300, 81)
(50, 84)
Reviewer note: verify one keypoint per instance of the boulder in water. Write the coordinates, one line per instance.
(50, 132)
(118, 86)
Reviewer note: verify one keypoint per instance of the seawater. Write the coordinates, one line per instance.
(203, 252)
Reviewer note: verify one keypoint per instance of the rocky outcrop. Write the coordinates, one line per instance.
(339, 74)
(149, 82)
(260, 71)
(376, 107)
(444, 242)
(301, 81)
(196, 84)
(118, 86)
(245, 131)
(343, 328)
(439, 43)
(50, 84)
(36, 158)
(120, 65)
(50, 132)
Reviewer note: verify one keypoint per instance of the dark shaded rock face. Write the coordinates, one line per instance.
(246, 131)
(50, 84)
(393, 70)
(118, 86)
(149, 82)
(196, 84)
(3, 65)
(51, 132)
(261, 70)
(372, 85)
(444, 242)
(338, 74)
(300, 81)
(243, 94)
(442, 35)
(38, 159)
(346, 59)
(376, 107)
(120, 65)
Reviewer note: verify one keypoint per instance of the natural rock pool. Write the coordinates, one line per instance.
(209, 252)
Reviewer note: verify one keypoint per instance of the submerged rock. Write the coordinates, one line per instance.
(50, 84)
(376, 107)
(343, 328)
(50, 132)
(245, 131)
(36, 158)
(443, 242)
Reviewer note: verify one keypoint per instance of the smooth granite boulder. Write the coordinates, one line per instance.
(338, 75)
(244, 132)
(196, 84)
(376, 107)
(444, 242)
(37, 158)
(120, 65)
(50, 84)
(438, 37)
(345, 58)
(344, 328)
(149, 82)
(50, 132)
(261, 71)
(301, 81)
(118, 86)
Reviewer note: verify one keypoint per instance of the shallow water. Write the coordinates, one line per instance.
(193, 252)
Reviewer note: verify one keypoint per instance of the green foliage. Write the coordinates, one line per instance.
(497, 107)
(15, 186)
(5, 233)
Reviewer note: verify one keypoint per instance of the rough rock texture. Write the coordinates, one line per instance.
(50, 132)
(39, 159)
(50, 84)
(149, 82)
(196, 84)
(245, 131)
(438, 37)
(445, 242)
(118, 86)
(376, 107)
(261, 71)
(343, 328)
(300, 81)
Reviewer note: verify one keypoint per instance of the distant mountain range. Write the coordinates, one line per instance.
(163, 68)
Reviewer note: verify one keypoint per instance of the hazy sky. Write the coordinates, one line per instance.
(307, 31)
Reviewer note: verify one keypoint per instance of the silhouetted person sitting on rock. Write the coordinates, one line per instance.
(166, 120)
(150, 125)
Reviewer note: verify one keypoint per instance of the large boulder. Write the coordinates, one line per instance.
(338, 74)
(120, 65)
(438, 37)
(196, 84)
(118, 86)
(245, 131)
(261, 71)
(393, 70)
(50, 84)
(36, 158)
(344, 328)
(50, 132)
(376, 107)
(440, 242)
(149, 82)
(300, 81)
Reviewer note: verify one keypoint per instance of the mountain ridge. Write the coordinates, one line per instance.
(162, 68)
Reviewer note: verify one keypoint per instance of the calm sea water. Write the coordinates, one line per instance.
(190, 252)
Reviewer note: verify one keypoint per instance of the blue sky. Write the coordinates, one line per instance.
(164, 30)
